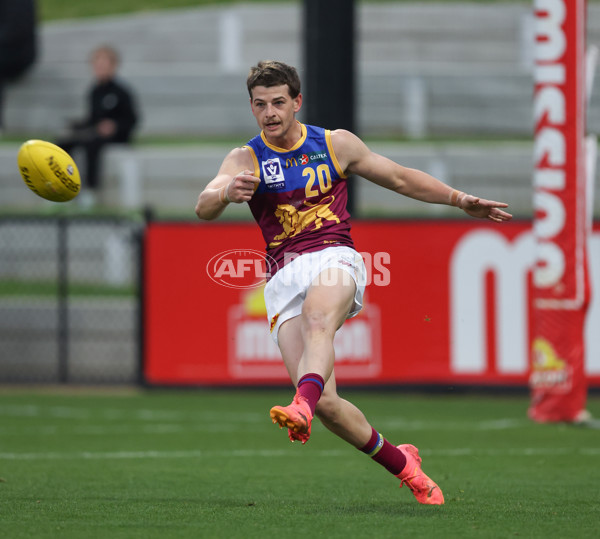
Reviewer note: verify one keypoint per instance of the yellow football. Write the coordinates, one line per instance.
(48, 171)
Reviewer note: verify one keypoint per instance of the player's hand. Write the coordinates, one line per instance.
(241, 187)
(485, 209)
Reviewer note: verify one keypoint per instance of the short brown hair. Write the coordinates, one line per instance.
(273, 73)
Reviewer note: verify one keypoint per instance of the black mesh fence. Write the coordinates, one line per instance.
(69, 300)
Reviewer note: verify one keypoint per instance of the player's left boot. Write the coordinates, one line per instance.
(297, 417)
(424, 488)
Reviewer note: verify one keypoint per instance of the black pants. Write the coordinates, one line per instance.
(92, 145)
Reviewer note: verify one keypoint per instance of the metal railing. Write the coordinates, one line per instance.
(70, 299)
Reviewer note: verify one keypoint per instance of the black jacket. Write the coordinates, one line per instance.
(113, 100)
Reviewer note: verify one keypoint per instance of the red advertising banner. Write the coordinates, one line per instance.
(447, 302)
(560, 277)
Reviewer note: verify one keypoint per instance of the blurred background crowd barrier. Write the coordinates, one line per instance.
(69, 300)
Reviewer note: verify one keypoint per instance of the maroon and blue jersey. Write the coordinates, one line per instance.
(300, 203)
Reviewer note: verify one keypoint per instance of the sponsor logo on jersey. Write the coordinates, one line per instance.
(317, 156)
(305, 159)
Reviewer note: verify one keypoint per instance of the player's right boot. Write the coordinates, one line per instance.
(297, 417)
(424, 488)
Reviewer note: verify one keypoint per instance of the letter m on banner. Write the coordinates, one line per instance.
(561, 289)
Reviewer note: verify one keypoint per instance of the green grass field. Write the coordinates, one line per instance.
(66, 9)
(210, 464)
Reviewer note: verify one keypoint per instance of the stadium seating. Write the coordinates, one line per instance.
(171, 177)
(459, 69)
(466, 59)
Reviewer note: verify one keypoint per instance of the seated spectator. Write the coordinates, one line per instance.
(111, 119)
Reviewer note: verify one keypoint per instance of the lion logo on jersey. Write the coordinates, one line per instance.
(295, 221)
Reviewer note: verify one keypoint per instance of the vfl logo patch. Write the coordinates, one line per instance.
(273, 173)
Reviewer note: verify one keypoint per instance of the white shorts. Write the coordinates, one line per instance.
(286, 291)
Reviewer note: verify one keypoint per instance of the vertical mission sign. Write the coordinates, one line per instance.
(560, 276)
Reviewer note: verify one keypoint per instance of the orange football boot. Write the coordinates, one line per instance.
(297, 417)
(424, 488)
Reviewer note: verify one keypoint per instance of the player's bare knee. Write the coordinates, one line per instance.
(314, 322)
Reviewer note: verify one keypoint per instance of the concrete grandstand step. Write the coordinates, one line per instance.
(172, 176)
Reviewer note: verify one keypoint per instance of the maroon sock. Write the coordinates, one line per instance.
(386, 454)
(310, 386)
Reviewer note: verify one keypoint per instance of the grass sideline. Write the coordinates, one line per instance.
(73, 9)
(70, 9)
(208, 463)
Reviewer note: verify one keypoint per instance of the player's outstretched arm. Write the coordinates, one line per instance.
(356, 158)
(235, 182)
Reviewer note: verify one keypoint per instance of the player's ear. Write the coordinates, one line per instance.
(298, 103)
